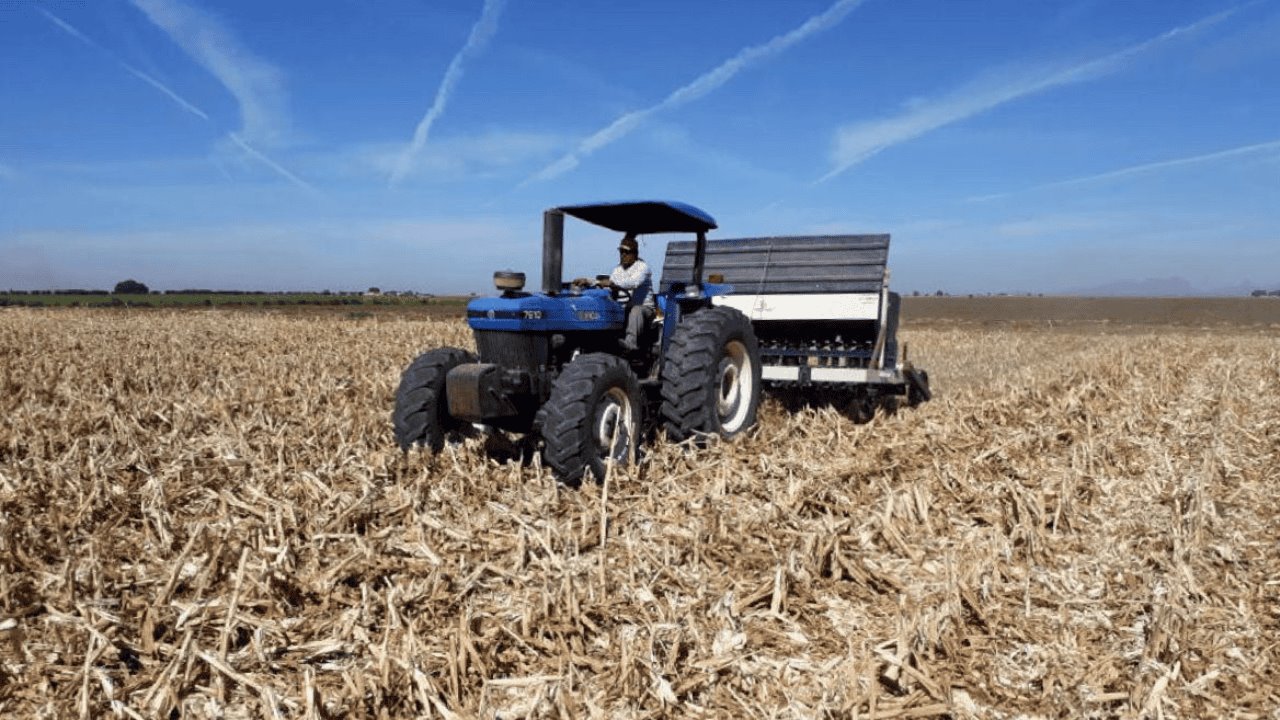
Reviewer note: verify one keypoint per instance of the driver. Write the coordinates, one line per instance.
(632, 283)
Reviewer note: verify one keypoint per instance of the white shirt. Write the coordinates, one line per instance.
(637, 279)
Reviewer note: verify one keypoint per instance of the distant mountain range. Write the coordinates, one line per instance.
(1167, 287)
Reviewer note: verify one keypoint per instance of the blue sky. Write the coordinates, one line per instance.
(412, 144)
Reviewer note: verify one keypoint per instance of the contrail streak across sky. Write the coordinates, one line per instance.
(256, 84)
(481, 32)
(1242, 151)
(176, 98)
(704, 84)
(270, 163)
(858, 142)
(75, 33)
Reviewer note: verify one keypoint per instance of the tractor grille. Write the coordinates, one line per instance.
(512, 349)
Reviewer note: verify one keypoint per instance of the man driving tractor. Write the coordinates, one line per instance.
(632, 284)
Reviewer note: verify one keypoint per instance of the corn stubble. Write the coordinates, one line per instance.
(204, 515)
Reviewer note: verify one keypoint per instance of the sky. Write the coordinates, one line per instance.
(1057, 146)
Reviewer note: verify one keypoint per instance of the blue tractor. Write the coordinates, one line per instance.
(551, 365)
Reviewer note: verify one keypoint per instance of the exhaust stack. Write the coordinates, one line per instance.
(552, 250)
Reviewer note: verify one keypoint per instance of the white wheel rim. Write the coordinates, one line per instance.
(735, 387)
(613, 425)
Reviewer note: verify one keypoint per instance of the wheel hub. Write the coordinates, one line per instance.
(734, 388)
(613, 425)
(730, 392)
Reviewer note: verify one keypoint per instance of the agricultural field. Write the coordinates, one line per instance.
(406, 303)
(1095, 311)
(203, 515)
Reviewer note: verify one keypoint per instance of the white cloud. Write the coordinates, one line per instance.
(446, 159)
(857, 142)
(257, 85)
(247, 78)
(486, 154)
(481, 32)
(7, 172)
(702, 85)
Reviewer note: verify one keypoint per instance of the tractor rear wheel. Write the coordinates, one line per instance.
(711, 376)
(421, 417)
(593, 416)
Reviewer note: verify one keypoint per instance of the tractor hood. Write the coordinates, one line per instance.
(564, 312)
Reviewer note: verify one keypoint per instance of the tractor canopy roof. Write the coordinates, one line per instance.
(643, 217)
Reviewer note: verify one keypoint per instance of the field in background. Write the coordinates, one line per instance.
(1048, 311)
(1096, 311)
(415, 304)
(204, 511)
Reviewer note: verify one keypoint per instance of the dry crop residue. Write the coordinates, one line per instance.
(205, 513)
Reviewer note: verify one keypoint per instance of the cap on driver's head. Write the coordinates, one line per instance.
(629, 243)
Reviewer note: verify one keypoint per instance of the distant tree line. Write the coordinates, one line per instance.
(131, 293)
(130, 287)
(8, 299)
(196, 291)
(67, 291)
(1265, 293)
(943, 293)
(200, 291)
(104, 299)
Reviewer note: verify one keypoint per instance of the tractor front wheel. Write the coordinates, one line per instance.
(421, 417)
(592, 417)
(711, 376)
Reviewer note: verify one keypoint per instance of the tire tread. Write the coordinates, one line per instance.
(690, 368)
(417, 419)
(566, 416)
